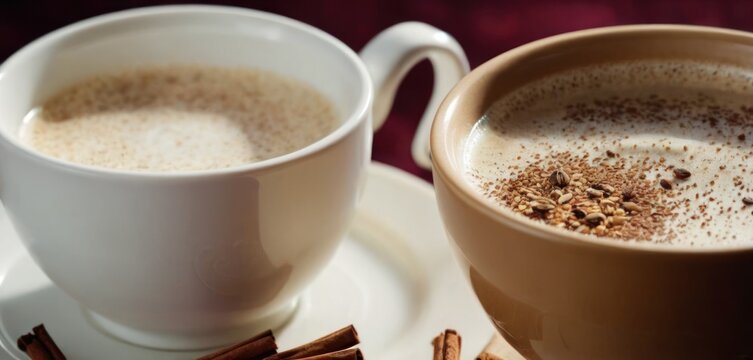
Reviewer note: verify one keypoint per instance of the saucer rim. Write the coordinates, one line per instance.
(388, 175)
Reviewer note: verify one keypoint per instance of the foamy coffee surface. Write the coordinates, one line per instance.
(655, 152)
(179, 118)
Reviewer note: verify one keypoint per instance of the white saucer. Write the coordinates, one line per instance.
(393, 277)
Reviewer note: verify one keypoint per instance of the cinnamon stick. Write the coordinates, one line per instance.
(447, 345)
(255, 348)
(350, 354)
(42, 335)
(39, 345)
(338, 340)
(33, 347)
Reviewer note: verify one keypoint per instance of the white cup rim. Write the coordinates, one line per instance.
(351, 121)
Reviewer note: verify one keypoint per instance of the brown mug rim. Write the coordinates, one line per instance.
(457, 102)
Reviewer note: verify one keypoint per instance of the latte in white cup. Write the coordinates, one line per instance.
(180, 118)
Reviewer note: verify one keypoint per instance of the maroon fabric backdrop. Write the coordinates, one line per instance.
(484, 28)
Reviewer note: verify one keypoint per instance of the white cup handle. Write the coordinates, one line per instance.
(393, 52)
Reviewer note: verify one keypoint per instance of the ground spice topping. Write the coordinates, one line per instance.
(590, 196)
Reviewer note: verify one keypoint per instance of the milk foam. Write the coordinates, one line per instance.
(179, 118)
(695, 116)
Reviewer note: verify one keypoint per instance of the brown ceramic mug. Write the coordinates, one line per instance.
(562, 295)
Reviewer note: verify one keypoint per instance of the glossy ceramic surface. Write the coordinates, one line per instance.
(555, 294)
(197, 259)
(393, 277)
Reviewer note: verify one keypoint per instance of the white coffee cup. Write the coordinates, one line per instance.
(199, 259)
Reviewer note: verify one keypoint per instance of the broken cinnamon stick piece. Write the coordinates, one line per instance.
(447, 345)
(43, 336)
(257, 347)
(33, 347)
(488, 356)
(350, 354)
(338, 340)
(499, 349)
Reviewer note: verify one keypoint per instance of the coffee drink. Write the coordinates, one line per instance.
(650, 151)
(179, 118)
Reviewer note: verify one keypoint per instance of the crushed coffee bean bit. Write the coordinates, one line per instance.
(580, 214)
(665, 184)
(741, 137)
(627, 194)
(594, 193)
(631, 206)
(607, 189)
(559, 178)
(681, 174)
(607, 207)
(556, 194)
(541, 206)
(595, 218)
(565, 198)
(611, 153)
(748, 200)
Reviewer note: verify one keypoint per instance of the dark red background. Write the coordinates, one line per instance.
(485, 28)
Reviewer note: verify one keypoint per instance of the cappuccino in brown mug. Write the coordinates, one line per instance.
(597, 188)
(645, 151)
